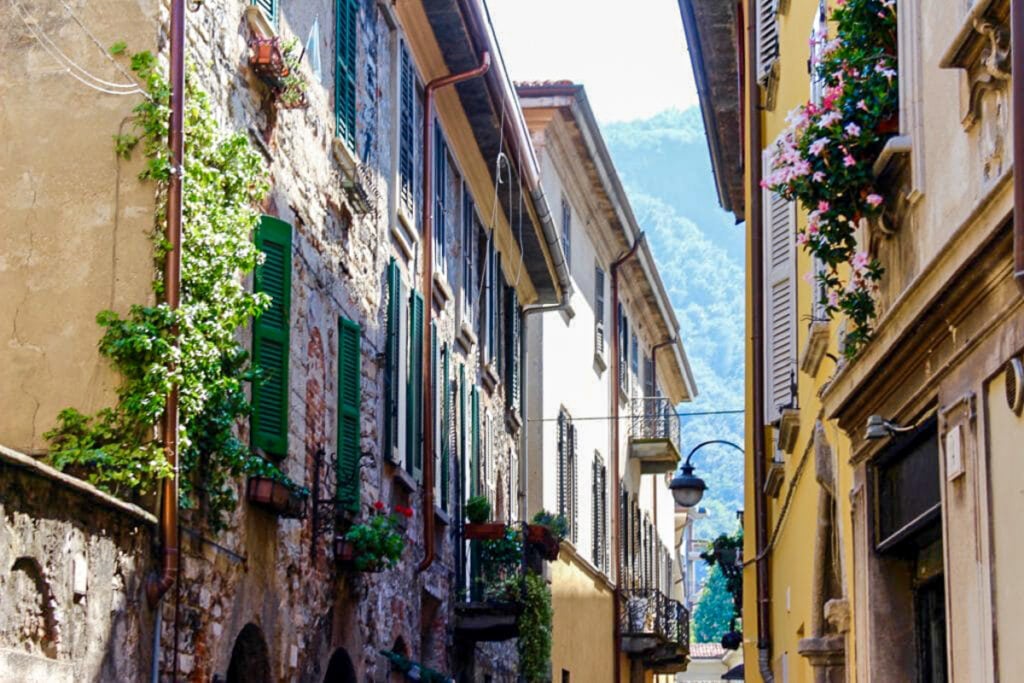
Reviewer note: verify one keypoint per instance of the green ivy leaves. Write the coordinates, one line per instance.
(224, 181)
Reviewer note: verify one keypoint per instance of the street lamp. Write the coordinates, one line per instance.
(688, 489)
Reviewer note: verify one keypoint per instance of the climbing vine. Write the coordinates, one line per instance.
(117, 448)
(535, 629)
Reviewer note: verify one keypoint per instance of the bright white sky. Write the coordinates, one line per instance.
(629, 54)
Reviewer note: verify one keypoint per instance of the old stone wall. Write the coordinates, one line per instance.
(72, 563)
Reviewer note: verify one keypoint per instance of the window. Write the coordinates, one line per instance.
(270, 338)
(489, 312)
(623, 351)
(566, 233)
(346, 17)
(414, 387)
(406, 130)
(780, 304)
(599, 513)
(819, 36)
(469, 229)
(568, 494)
(440, 200)
(598, 311)
(634, 362)
(269, 8)
(447, 410)
(394, 362)
(474, 442)
(349, 395)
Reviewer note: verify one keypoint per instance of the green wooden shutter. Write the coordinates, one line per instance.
(407, 118)
(270, 338)
(512, 349)
(446, 427)
(346, 14)
(474, 450)
(269, 8)
(414, 394)
(391, 358)
(461, 454)
(349, 378)
(435, 399)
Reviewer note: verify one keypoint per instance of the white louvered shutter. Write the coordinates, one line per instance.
(780, 302)
(767, 38)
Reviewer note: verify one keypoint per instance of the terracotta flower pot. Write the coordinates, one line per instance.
(544, 540)
(345, 556)
(488, 531)
(275, 496)
(890, 125)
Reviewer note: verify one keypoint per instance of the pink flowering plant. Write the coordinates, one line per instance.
(824, 160)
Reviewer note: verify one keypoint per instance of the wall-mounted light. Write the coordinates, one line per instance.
(880, 428)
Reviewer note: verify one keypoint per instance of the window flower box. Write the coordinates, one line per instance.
(276, 496)
(484, 531)
(544, 540)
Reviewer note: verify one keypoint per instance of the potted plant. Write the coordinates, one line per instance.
(269, 488)
(277, 65)
(546, 533)
(477, 527)
(376, 544)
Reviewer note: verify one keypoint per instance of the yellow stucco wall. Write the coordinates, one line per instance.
(582, 625)
(793, 515)
(74, 230)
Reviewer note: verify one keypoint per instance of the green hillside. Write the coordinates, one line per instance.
(664, 164)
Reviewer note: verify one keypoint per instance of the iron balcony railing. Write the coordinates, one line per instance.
(678, 625)
(655, 418)
(644, 614)
(647, 613)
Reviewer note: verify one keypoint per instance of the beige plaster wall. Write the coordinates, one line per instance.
(73, 232)
(1006, 491)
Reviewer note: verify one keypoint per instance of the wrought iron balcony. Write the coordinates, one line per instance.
(654, 435)
(644, 620)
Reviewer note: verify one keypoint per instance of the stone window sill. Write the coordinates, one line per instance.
(259, 22)
(442, 290)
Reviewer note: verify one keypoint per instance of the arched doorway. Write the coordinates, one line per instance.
(340, 669)
(250, 659)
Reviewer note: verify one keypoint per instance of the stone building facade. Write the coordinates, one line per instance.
(266, 599)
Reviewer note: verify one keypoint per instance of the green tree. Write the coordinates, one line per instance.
(714, 611)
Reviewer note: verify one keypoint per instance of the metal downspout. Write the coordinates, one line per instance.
(755, 222)
(158, 584)
(428, 298)
(616, 506)
(1017, 69)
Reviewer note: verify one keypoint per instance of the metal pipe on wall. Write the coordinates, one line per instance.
(428, 297)
(158, 585)
(756, 228)
(1017, 67)
(616, 507)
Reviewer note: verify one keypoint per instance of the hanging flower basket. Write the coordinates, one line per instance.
(268, 62)
(487, 531)
(276, 496)
(543, 539)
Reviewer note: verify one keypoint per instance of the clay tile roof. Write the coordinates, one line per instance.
(706, 651)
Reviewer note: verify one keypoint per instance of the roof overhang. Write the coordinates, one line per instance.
(463, 32)
(676, 376)
(713, 39)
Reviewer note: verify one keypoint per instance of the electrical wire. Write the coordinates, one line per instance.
(622, 417)
(71, 67)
